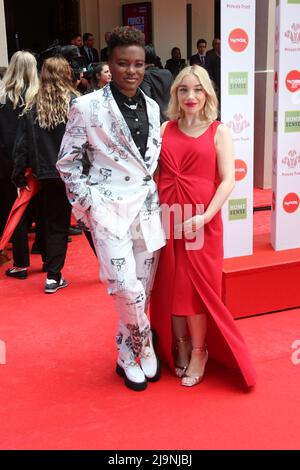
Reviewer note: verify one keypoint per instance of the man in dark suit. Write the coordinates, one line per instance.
(200, 58)
(216, 49)
(104, 51)
(87, 51)
(157, 82)
(214, 68)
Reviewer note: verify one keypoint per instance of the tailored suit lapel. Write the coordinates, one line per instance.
(153, 142)
(120, 122)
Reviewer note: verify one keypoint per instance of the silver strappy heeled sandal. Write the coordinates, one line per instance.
(190, 381)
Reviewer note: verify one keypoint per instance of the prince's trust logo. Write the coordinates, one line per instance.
(291, 163)
(292, 35)
(292, 160)
(238, 124)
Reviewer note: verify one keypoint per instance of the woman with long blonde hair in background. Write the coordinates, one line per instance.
(38, 147)
(18, 90)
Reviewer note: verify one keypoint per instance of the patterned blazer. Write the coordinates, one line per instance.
(119, 183)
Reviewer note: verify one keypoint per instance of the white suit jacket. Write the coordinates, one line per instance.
(118, 185)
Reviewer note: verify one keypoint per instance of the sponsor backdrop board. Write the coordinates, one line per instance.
(286, 142)
(237, 111)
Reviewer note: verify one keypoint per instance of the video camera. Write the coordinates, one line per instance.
(70, 53)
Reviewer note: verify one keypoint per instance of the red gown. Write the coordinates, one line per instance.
(189, 175)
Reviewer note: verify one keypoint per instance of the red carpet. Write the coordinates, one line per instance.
(59, 389)
(262, 197)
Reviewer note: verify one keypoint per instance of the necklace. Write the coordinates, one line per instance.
(131, 106)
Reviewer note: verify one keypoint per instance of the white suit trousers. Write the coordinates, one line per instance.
(128, 269)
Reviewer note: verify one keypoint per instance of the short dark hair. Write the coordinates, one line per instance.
(86, 36)
(74, 35)
(201, 41)
(150, 54)
(125, 36)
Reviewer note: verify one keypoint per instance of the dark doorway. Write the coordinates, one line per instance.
(217, 19)
(35, 25)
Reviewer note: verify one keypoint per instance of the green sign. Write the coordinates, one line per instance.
(237, 209)
(238, 83)
(292, 121)
(295, 2)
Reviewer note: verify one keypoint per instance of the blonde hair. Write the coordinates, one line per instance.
(20, 82)
(56, 87)
(210, 110)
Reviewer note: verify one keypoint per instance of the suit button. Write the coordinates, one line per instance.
(116, 159)
(127, 178)
(147, 178)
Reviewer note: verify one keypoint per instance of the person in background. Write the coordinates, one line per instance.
(216, 49)
(104, 51)
(176, 63)
(37, 147)
(157, 82)
(76, 40)
(117, 128)
(18, 90)
(214, 69)
(196, 176)
(200, 58)
(88, 50)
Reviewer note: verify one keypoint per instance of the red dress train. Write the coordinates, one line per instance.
(189, 175)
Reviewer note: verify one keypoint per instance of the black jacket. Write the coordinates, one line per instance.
(36, 148)
(156, 84)
(9, 120)
(195, 60)
(175, 66)
(87, 59)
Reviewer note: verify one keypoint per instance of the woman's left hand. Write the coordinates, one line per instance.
(191, 226)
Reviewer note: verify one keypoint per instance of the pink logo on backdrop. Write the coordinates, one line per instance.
(293, 34)
(291, 159)
(238, 124)
(291, 203)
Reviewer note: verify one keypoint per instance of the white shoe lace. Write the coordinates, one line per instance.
(147, 352)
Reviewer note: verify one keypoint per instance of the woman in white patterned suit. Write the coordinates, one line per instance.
(117, 128)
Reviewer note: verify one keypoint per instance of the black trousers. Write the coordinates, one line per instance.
(8, 194)
(56, 218)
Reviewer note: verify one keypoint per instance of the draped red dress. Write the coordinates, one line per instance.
(189, 281)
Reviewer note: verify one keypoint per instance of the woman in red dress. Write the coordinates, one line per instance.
(196, 177)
